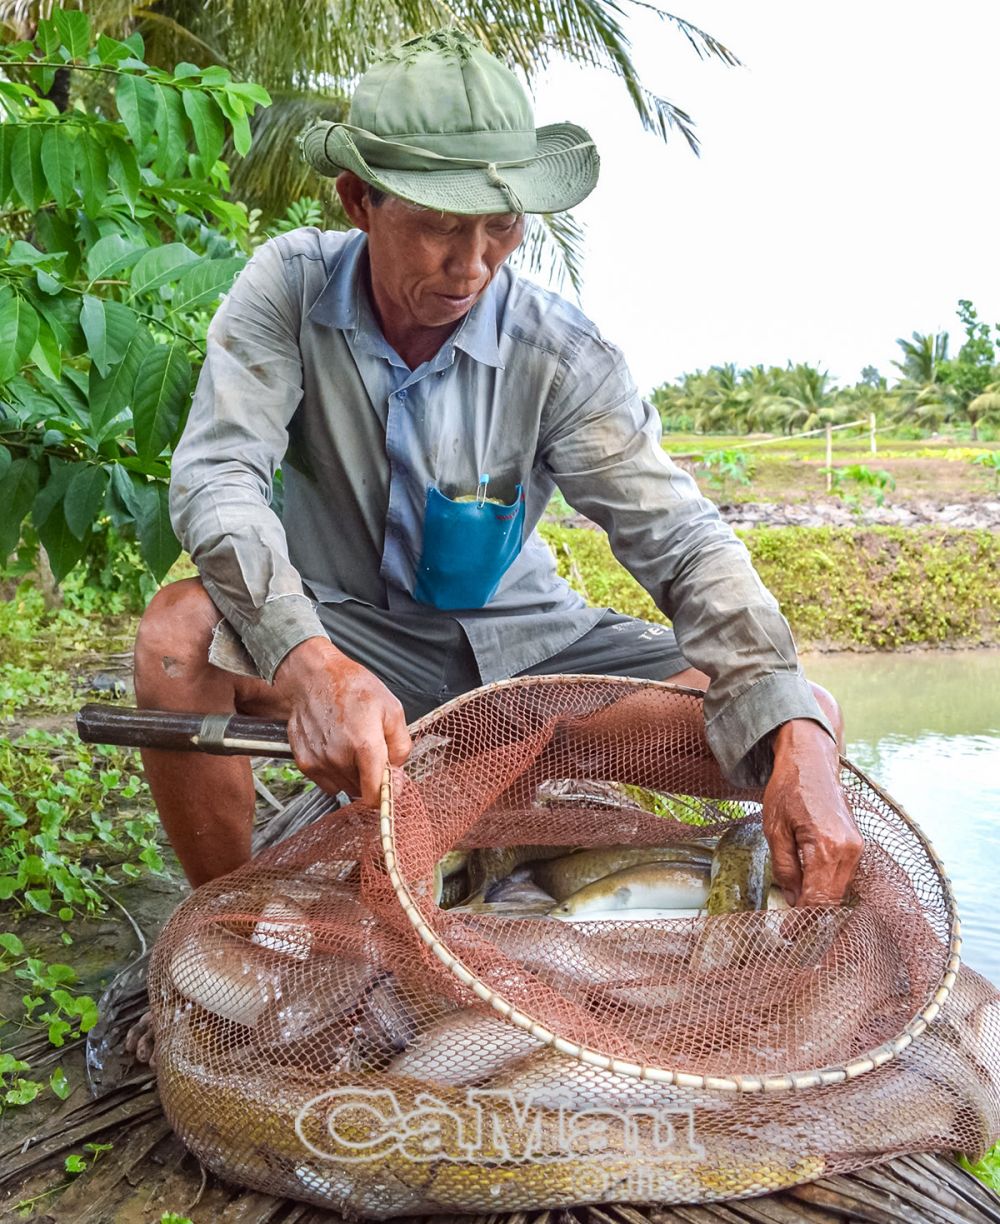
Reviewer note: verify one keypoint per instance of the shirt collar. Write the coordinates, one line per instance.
(340, 305)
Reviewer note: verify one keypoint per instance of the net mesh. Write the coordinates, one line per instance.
(312, 1042)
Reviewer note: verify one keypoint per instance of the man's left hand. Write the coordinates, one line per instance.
(815, 843)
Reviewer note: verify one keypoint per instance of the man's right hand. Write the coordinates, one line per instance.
(344, 723)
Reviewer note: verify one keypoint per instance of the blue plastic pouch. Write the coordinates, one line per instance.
(468, 547)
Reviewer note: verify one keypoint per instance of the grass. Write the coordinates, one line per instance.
(841, 588)
(75, 824)
(851, 444)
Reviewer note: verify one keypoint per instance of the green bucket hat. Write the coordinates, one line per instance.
(441, 123)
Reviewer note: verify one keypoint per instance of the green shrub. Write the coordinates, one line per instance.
(840, 588)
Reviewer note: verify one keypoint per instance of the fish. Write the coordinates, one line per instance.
(488, 864)
(741, 870)
(386, 1022)
(283, 928)
(564, 876)
(516, 890)
(451, 881)
(463, 1047)
(643, 913)
(505, 909)
(660, 886)
(316, 999)
(600, 793)
(219, 971)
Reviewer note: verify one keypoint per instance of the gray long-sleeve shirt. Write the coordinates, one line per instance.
(297, 372)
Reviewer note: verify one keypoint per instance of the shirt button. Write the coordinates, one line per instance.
(401, 469)
(402, 394)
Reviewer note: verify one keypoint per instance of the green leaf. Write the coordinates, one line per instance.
(88, 1016)
(74, 30)
(59, 1083)
(207, 125)
(84, 499)
(53, 491)
(137, 105)
(158, 545)
(59, 162)
(242, 137)
(46, 353)
(161, 265)
(47, 284)
(64, 550)
(18, 332)
(250, 92)
(39, 898)
(171, 130)
(65, 914)
(122, 323)
(18, 488)
(48, 37)
(74, 1163)
(10, 943)
(5, 460)
(95, 329)
(92, 165)
(125, 170)
(108, 396)
(162, 384)
(203, 283)
(26, 165)
(110, 50)
(111, 254)
(24, 255)
(8, 134)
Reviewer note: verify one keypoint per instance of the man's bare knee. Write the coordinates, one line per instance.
(174, 636)
(690, 677)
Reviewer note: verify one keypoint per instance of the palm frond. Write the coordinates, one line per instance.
(273, 174)
(705, 45)
(553, 247)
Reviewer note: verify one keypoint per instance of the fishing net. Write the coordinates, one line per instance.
(331, 1027)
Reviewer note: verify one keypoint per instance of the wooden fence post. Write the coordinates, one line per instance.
(829, 458)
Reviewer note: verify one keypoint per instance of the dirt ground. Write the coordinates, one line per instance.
(943, 481)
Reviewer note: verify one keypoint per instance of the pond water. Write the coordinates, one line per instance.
(926, 726)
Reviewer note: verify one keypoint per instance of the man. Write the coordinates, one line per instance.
(424, 402)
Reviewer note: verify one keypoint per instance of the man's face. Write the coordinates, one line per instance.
(429, 268)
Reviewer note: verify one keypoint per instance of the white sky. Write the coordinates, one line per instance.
(846, 192)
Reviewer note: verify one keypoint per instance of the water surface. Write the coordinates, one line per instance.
(926, 726)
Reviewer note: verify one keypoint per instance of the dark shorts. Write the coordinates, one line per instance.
(428, 662)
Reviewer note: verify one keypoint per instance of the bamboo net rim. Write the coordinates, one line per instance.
(875, 1057)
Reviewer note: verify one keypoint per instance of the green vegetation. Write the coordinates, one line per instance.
(724, 466)
(987, 1169)
(841, 588)
(991, 461)
(118, 243)
(933, 391)
(856, 484)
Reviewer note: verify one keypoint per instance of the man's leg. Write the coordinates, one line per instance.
(206, 803)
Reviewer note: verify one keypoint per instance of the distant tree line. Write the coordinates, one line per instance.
(933, 391)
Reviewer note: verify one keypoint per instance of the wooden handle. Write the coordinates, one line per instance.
(219, 734)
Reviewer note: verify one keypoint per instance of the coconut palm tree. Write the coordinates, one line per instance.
(805, 400)
(922, 396)
(984, 409)
(308, 55)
